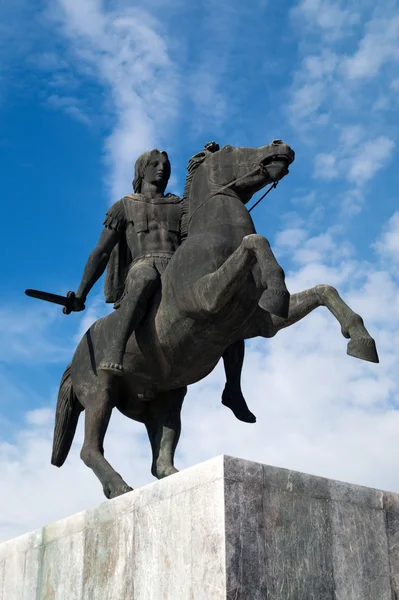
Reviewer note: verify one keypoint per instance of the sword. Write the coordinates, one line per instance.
(69, 302)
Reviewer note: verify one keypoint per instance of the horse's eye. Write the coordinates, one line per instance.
(227, 148)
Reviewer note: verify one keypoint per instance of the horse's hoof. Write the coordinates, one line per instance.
(160, 473)
(276, 302)
(363, 348)
(117, 491)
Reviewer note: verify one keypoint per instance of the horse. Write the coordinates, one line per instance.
(223, 284)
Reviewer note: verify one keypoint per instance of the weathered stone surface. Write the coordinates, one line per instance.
(107, 569)
(227, 529)
(61, 572)
(20, 562)
(296, 483)
(392, 523)
(360, 549)
(298, 546)
(345, 493)
(245, 547)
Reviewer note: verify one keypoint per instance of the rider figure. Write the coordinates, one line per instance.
(141, 233)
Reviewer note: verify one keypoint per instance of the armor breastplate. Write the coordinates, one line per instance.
(140, 210)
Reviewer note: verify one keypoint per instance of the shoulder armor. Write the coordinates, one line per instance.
(115, 216)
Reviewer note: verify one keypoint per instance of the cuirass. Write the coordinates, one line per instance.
(165, 211)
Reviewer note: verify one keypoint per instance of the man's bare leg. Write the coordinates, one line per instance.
(232, 397)
(142, 282)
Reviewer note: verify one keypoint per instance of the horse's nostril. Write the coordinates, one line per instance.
(277, 142)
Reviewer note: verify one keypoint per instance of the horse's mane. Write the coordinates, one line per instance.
(193, 164)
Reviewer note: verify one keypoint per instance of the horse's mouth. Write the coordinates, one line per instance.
(276, 166)
(277, 158)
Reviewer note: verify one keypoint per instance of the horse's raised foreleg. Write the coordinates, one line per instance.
(98, 409)
(361, 344)
(214, 290)
(163, 425)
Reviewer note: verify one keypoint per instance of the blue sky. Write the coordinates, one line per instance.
(86, 86)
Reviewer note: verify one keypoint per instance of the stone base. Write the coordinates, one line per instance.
(225, 529)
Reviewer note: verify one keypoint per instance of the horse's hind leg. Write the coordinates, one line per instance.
(361, 344)
(163, 425)
(98, 409)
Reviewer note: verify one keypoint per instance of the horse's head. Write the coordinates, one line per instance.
(240, 172)
(247, 170)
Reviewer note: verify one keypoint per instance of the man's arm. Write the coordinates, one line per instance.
(97, 262)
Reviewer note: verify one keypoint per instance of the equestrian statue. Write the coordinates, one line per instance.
(190, 280)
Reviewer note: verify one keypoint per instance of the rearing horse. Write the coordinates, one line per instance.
(217, 289)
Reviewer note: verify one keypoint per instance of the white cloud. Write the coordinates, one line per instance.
(357, 161)
(69, 105)
(378, 46)
(372, 157)
(126, 52)
(25, 335)
(323, 247)
(321, 66)
(328, 16)
(290, 238)
(329, 106)
(378, 299)
(352, 202)
(325, 166)
(40, 417)
(306, 200)
(351, 135)
(306, 101)
(388, 244)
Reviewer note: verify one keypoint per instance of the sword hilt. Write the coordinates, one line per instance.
(67, 309)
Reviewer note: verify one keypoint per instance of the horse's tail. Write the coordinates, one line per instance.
(66, 419)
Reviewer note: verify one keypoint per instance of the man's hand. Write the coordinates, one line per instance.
(77, 303)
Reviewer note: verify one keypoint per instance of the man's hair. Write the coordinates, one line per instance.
(140, 167)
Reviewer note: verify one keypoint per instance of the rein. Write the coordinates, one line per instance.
(272, 187)
(260, 167)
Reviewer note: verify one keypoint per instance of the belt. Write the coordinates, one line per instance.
(153, 255)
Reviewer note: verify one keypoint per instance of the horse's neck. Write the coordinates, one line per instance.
(211, 208)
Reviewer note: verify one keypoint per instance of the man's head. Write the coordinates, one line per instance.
(152, 167)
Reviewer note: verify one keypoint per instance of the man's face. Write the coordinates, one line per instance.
(158, 170)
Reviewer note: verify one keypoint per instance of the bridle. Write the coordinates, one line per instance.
(272, 187)
(260, 167)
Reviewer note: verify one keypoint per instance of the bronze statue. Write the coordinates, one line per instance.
(141, 234)
(220, 285)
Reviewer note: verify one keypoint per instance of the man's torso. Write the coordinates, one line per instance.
(152, 225)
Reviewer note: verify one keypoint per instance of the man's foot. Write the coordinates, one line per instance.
(111, 367)
(233, 399)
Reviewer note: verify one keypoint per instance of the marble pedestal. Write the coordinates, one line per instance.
(225, 529)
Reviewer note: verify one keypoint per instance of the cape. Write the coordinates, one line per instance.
(121, 257)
